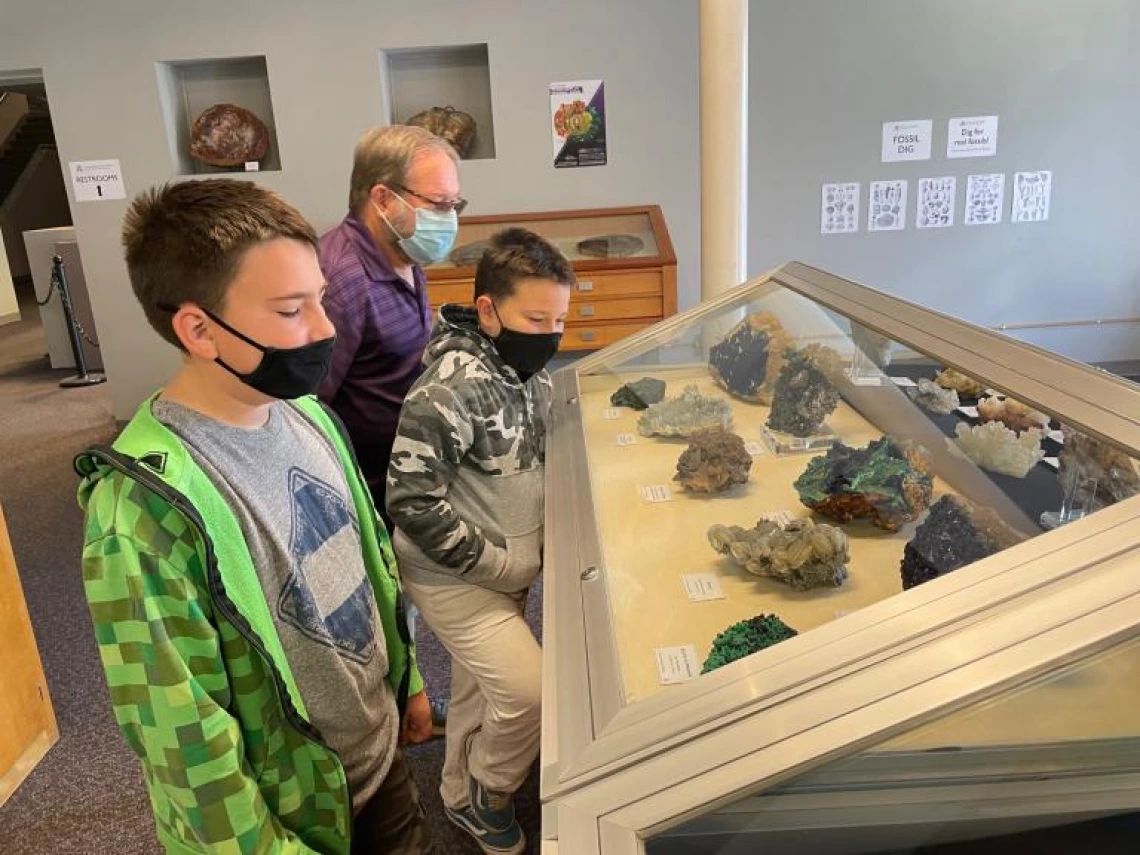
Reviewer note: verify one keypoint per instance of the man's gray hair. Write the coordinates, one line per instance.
(384, 155)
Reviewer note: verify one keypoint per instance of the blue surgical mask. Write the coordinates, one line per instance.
(433, 236)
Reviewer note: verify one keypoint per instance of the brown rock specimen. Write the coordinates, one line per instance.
(714, 461)
(228, 135)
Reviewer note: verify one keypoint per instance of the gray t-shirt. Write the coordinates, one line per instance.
(285, 484)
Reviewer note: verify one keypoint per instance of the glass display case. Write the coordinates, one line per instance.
(623, 258)
(827, 571)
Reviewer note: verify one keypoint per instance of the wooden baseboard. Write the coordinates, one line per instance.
(26, 762)
(10, 318)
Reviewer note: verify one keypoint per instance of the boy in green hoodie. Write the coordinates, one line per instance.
(244, 594)
(465, 492)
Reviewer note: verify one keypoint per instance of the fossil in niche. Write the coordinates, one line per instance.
(611, 246)
(745, 638)
(887, 481)
(1013, 414)
(455, 126)
(1083, 457)
(801, 553)
(805, 393)
(715, 460)
(955, 533)
(681, 416)
(995, 447)
(639, 394)
(747, 361)
(933, 398)
(228, 135)
(965, 386)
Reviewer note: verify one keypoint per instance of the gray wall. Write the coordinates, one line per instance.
(1064, 77)
(38, 201)
(323, 59)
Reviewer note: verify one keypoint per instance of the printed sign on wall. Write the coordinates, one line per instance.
(907, 140)
(972, 136)
(578, 123)
(97, 180)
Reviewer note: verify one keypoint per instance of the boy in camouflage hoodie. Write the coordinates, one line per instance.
(465, 492)
(244, 595)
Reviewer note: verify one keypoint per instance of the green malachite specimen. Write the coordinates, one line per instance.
(745, 638)
(886, 481)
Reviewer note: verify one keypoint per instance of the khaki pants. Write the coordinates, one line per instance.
(494, 718)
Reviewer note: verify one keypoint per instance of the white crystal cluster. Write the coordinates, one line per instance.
(995, 447)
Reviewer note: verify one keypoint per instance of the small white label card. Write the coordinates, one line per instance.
(1052, 462)
(676, 664)
(972, 136)
(1056, 436)
(252, 166)
(624, 439)
(903, 381)
(702, 586)
(908, 140)
(985, 199)
(1031, 194)
(936, 200)
(754, 448)
(778, 517)
(657, 493)
(611, 414)
(97, 180)
(839, 208)
(969, 412)
(886, 206)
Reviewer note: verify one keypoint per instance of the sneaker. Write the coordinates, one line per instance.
(494, 810)
(439, 715)
(512, 841)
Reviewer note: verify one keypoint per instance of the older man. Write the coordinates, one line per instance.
(403, 204)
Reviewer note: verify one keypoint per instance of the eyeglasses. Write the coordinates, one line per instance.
(441, 205)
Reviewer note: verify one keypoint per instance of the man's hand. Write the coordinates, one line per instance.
(416, 726)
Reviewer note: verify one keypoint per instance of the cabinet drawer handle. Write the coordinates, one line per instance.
(586, 311)
(585, 285)
(587, 335)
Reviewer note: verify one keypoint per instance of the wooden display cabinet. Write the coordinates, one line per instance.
(27, 721)
(631, 289)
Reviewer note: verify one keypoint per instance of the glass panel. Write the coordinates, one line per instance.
(1033, 755)
(583, 238)
(923, 479)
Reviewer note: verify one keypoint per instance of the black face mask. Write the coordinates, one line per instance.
(527, 353)
(283, 372)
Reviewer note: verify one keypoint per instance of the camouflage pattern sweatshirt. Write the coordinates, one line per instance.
(465, 485)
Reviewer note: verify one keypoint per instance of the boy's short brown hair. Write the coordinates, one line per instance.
(515, 254)
(184, 242)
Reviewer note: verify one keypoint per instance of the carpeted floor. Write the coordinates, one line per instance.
(87, 795)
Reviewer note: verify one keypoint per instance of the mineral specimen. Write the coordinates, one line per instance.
(995, 447)
(455, 126)
(468, 254)
(804, 394)
(713, 462)
(639, 394)
(228, 135)
(886, 481)
(1013, 414)
(801, 553)
(934, 398)
(965, 386)
(1084, 457)
(685, 414)
(611, 246)
(745, 638)
(955, 533)
(747, 361)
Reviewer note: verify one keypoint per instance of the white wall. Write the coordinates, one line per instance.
(98, 62)
(1064, 77)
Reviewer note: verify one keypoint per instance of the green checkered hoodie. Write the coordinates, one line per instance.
(199, 681)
